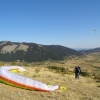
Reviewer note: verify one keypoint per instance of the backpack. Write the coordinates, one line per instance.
(77, 69)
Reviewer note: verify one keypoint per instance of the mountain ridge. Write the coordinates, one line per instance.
(30, 52)
(93, 50)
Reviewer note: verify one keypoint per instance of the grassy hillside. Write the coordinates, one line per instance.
(86, 88)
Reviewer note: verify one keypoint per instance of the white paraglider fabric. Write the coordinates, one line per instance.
(22, 81)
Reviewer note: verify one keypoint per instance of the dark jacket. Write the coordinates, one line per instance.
(77, 69)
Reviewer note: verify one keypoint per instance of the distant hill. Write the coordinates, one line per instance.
(90, 50)
(31, 52)
(78, 49)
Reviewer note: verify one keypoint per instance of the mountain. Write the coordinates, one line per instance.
(31, 52)
(94, 50)
(79, 49)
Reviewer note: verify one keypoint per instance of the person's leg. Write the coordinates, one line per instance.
(78, 75)
(75, 75)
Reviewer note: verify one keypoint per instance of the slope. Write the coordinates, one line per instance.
(83, 89)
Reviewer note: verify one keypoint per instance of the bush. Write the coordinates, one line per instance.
(97, 78)
(85, 74)
(37, 70)
(98, 86)
(57, 69)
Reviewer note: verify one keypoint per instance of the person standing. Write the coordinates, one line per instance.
(77, 71)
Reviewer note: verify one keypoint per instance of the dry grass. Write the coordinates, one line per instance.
(82, 89)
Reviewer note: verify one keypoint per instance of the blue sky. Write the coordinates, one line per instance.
(69, 23)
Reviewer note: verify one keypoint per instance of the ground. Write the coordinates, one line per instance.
(76, 89)
(85, 88)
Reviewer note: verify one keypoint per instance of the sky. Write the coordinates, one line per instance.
(70, 23)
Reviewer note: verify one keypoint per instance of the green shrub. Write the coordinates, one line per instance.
(37, 70)
(57, 69)
(85, 74)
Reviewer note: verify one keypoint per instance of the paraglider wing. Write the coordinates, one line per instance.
(95, 31)
(8, 77)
